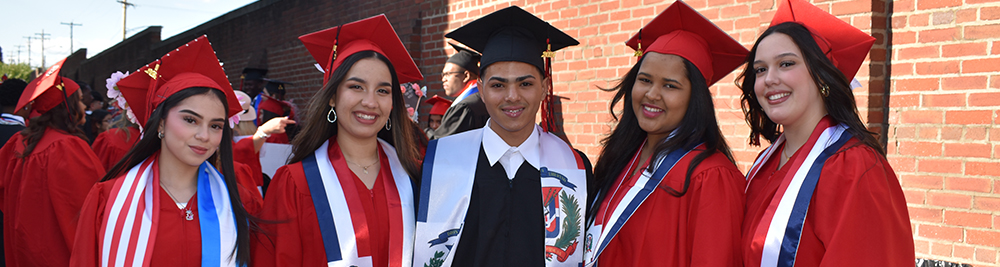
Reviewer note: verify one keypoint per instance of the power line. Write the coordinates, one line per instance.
(19, 53)
(71, 24)
(43, 38)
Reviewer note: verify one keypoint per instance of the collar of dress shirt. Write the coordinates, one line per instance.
(495, 146)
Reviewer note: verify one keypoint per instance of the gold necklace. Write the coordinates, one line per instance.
(365, 168)
(783, 153)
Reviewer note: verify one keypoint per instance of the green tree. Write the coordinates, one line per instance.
(16, 71)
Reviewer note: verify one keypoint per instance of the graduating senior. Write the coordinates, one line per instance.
(670, 194)
(459, 80)
(346, 198)
(45, 172)
(822, 194)
(507, 194)
(173, 199)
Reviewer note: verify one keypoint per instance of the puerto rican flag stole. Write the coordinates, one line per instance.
(780, 229)
(342, 219)
(128, 232)
(446, 187)
(599, 235)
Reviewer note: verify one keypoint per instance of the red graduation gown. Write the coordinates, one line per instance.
(244, 152)
(857, 215)
(178, 241)
(296, 239)
(111, 145)
(700, 228)
(41, 196)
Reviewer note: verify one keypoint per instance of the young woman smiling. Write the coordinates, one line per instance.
(173, 199)
(823, 193)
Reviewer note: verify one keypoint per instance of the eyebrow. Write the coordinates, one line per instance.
(504, 80)
(778, 56)
(356, 79)
(664, 79)
(188, 111)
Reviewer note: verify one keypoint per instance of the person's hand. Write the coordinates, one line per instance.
(274, 126)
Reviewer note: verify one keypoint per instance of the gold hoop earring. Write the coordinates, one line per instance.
(824, 89)
(334, 116)
(388, 124)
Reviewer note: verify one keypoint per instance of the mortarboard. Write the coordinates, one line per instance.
(192, 65)
(512, 34)
(248, 113)
(10, 91)
(274, 86)
(845, 45)
(440, 105)
(253, 74)
(47, 91)
(331, 46)
(467, 59)
(682, 31)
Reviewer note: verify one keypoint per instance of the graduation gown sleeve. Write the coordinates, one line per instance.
(42, 195)
(468, 114)
(111, 145)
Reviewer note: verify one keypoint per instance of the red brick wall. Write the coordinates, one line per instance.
(944, 138)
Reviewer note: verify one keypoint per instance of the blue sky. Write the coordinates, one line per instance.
(102, 23)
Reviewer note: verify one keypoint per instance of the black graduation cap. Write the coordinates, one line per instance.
(274, 86)
(465, 58)
(511, 34)
(253, 74)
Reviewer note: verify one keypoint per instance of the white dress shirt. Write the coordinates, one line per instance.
(511, 157)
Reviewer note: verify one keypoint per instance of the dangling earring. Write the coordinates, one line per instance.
(160, 135)
(388, 124)
(824, 89)
(334, 116)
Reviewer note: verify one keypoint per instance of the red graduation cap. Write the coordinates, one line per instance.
(47, 91)
(440, 105)
(192, 65)
(682, 31)
(374, 33)
(844, 45)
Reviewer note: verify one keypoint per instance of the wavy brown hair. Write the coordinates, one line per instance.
(59, 118)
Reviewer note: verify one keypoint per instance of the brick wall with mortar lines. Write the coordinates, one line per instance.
(944, 138)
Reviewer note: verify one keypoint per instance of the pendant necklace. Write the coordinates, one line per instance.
(188, 214)
(365, 168)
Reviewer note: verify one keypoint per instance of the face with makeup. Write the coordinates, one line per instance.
(784, 87)
(661, 94)
(512, 92)
(363, 100)
(192, 130)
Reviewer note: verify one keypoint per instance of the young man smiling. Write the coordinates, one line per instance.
(479, 205)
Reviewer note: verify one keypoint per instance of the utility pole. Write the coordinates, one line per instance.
(71, 24)
(43, 38)
(125, 5)
(29, 48)
(19, 53)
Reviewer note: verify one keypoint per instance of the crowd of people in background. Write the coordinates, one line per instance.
(173, 166)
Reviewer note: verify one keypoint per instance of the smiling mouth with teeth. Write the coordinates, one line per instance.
(778, 96)
(365, 116)
(652, 109)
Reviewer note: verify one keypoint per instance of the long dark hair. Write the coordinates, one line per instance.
(698, 125)
(840, 104)
(222, 160)
(404, 135)
(58, 118)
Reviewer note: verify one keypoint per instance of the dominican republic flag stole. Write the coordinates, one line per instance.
(598, 235)
(339, 211)
(779, 231)
(128, 232)
(446, 187)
